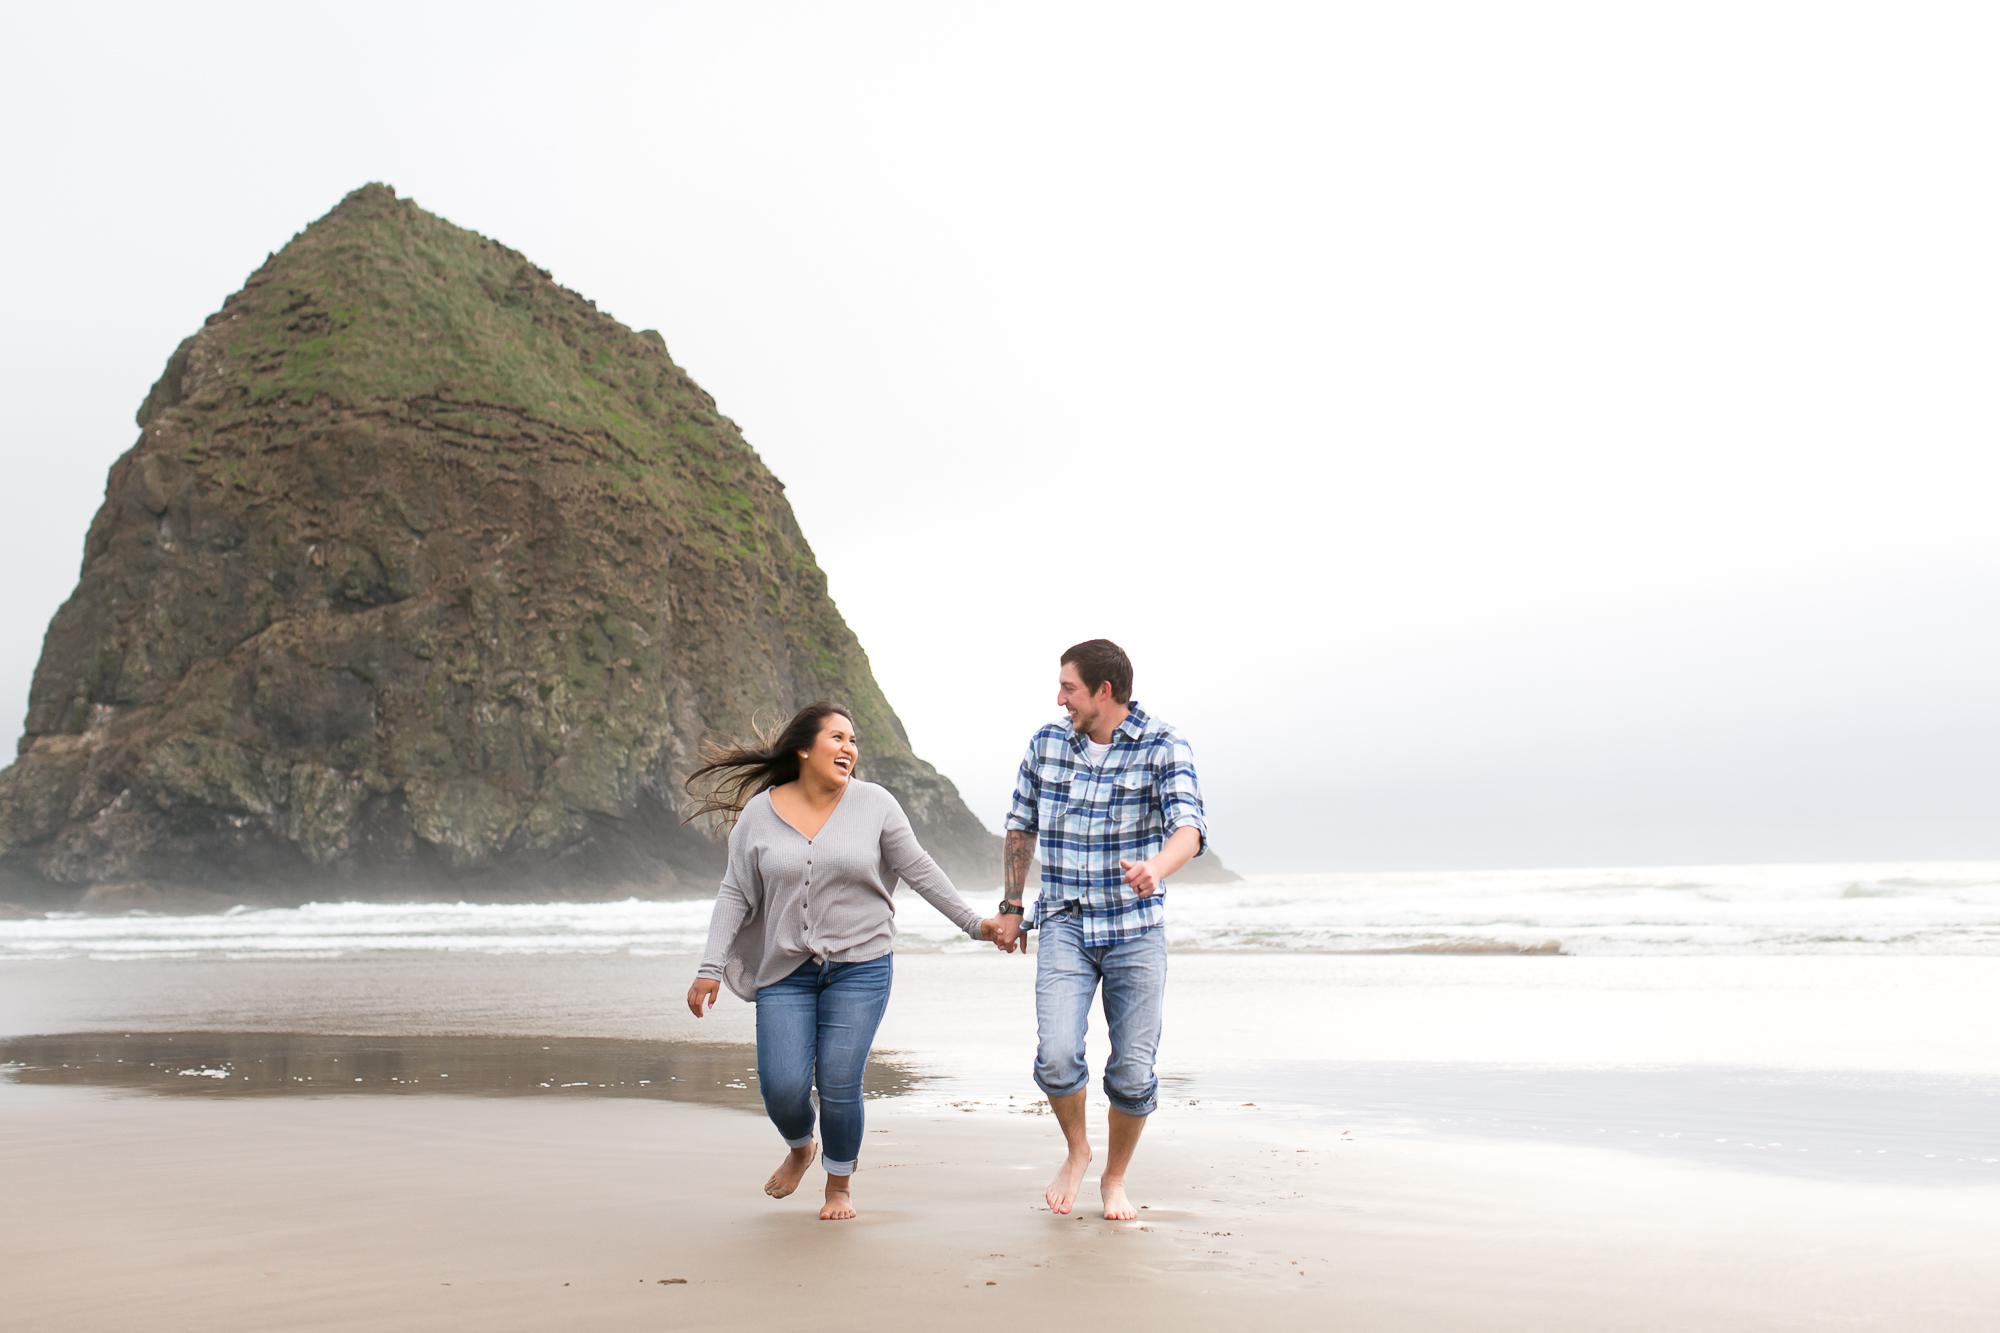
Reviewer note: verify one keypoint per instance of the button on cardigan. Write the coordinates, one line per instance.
(788, 899)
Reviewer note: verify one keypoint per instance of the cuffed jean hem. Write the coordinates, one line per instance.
(1070, 1091)
(798, 1143)
(1118, 1104)
(836, 1168)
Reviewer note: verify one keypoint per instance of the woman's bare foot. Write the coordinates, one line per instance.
(839, 1207)
(1061, 1193)
(1117, 1208)
(790, 1172)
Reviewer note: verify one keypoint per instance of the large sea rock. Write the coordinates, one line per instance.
(425, 578)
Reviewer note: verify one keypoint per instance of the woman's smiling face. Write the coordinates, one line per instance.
(834, 752)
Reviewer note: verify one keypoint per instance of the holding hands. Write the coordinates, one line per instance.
(1003, 932)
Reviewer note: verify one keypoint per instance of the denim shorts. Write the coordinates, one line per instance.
(1067, 974)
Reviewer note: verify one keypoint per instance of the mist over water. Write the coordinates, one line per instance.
(1862, 909)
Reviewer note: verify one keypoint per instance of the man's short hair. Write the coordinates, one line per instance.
(1098, 661)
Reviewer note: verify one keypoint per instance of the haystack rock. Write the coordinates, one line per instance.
(425, 578)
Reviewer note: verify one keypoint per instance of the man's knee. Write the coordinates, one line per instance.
(1133, 1090)
(1060, 1078)
(1060, 1069)
(1134, 1004)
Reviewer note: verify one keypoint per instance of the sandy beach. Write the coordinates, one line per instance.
(1377, 1142)
(442, 1213)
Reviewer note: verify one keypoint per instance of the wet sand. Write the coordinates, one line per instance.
(416, 1213)
(184, 1146)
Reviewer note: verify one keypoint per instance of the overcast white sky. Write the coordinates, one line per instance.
(1502, 434)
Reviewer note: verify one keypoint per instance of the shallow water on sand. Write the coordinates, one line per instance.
(1905, 1129)
(271, 1064)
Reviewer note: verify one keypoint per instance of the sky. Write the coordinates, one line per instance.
(1526, 435)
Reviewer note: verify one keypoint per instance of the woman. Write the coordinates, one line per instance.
(804, 924)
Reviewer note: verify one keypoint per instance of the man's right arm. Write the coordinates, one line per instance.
(1015, 858)
(1018, 855)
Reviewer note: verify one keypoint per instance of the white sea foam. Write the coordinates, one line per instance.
(1919, 907)
(1908, 908)
(324, 930)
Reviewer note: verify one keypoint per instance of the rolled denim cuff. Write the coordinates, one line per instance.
(833, 1168)
(1048, 1091)
(798, 1143)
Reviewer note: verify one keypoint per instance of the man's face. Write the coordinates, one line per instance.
(1084, 708)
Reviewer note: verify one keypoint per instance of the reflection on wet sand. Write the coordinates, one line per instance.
(276, 1063)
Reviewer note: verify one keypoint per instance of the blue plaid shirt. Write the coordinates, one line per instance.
(1088, 819)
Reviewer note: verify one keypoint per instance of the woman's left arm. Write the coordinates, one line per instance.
(906, 856)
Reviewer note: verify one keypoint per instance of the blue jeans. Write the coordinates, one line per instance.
(1134, 974)
(820, 1020)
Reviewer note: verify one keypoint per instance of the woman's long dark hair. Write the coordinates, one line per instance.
(731, 774)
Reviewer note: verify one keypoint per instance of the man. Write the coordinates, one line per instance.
(1113, 799)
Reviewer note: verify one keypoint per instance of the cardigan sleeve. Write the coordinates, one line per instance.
(906, 856)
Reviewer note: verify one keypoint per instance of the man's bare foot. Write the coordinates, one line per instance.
(1061, 1193)
(790, 1172)
(1117, 1208)
(839, 1207)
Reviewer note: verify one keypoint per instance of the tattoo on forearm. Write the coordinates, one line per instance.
(1014, 862)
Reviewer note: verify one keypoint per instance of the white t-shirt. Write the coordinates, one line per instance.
(1095, 751)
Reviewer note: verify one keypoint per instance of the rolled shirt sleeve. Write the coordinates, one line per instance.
(1021, 810)
(1180, 791)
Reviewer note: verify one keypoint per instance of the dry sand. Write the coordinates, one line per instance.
(127, 1211)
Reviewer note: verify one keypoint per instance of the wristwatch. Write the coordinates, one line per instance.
(1010, 909)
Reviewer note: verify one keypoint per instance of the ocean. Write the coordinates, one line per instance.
(1860, 909)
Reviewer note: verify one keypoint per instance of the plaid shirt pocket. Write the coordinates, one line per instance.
(1131, 802)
